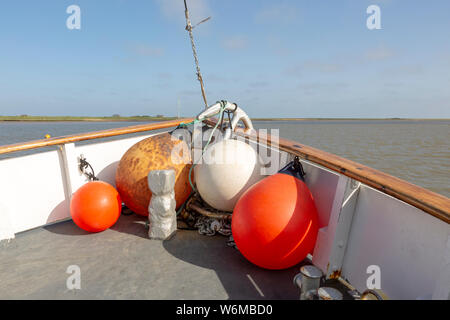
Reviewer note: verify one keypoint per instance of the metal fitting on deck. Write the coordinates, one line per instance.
(308, 281)
(374, 294)
(328, 293)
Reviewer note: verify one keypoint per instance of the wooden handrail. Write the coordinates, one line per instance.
(430, 202)
(90, 135)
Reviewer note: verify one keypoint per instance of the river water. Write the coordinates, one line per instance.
(416, 151)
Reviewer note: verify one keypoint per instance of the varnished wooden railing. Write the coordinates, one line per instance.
(430, 202)
(435, 204)
(90, 136)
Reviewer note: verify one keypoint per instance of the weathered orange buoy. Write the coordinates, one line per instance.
(154, 153)
(95, 206)
(275, 222)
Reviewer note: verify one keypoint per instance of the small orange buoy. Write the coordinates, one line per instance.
(275, 222)
(95, 206)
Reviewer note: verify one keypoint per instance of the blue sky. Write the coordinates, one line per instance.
(274, 58)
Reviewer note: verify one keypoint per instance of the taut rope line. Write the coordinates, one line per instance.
(194, 51)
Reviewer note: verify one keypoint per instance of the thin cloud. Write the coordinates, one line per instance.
(216, 78)
(312, 66)
(380, 53)
(321, 88)
(258, 84)
(164, 75)
(280, 13)
(235, 43)
(147, 50)
(189, 93)
(405, 70)
(277, 46)
(323, 66)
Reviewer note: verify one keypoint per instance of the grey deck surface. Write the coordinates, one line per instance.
(122, 263)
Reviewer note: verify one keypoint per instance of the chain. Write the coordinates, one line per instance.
(206, 223)
(210, 226)
(231, 242)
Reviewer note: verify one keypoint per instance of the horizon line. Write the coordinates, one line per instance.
(162, 117)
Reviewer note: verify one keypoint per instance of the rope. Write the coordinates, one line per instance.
(206, 225)
(182, 124)
(194, 51)
(222, 108)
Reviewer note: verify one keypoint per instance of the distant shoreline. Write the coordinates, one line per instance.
(150, 118)
(82, 119)
(349, 119)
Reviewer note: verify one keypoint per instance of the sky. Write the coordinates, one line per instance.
(273, 58)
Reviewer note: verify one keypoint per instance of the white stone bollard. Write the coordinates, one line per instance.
(162, 215)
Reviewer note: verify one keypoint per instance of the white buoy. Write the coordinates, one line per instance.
(228, 168)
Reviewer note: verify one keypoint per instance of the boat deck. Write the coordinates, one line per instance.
(123, 263)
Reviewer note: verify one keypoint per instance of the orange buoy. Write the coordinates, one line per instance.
(275, 222)
(154, 153)
(95, 206)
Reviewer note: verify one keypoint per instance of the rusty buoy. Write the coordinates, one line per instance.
(153, 153)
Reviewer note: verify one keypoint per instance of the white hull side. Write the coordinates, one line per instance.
(359, 225)
(36, 189)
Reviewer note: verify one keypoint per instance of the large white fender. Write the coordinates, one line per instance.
(229, 167)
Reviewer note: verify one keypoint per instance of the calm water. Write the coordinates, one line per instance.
(416, 151)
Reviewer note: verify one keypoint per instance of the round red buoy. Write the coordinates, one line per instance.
(95, 206)
(275, 223)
